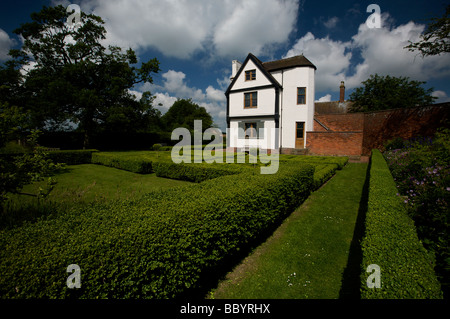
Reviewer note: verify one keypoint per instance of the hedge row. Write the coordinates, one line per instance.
(391, 242)
(323, 172)
(129, 163)
(160, 246)
(74, 157)
(194, 172)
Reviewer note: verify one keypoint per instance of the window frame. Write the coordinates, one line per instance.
(250, 75)
(301, 95)
(251, 99)
(253, 126)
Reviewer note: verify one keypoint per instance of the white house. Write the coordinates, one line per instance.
(270, 104)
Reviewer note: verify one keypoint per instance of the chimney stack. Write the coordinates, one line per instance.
(342, 93)
(235, 66)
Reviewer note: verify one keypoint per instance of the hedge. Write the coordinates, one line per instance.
(194, 172)
(129, 163)
(160, 246)
(71, 157)
(391, 242)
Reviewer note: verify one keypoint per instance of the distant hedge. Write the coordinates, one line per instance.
(160, 246)
(391, 242)
(128, 163)
(71, 157)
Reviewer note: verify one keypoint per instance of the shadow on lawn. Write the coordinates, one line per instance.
(351, 279)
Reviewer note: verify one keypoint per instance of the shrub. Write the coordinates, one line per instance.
(323, 172)
(156, 147)
(73, 157)
(129, 163)
(160, 246)
(194, 172)
(391, 242)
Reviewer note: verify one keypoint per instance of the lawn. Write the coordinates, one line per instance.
(308, 254)
(79, 185)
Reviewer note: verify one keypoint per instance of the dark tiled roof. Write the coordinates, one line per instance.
(295, 61)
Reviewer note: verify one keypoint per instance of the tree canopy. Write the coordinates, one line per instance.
(73, 78)
(386, 92)
(436, 38)
(183, 113)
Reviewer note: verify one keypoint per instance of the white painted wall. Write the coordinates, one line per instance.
(266, 103)
(260, 78)
(289, 110)
(267, 142)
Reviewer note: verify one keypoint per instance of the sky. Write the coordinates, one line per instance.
(196, 40)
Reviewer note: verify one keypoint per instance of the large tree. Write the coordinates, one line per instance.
(436, 38)
(73, 78)
(387, 92)
(183, 113)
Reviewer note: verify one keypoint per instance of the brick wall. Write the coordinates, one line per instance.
(335, 143)
(358, 133)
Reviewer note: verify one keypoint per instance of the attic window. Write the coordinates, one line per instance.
(250, 75)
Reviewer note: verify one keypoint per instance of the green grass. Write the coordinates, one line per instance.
(308, 255)
(80, 185)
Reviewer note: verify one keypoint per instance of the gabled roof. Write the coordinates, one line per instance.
(292, 62)
(267, 67)
(260, 66)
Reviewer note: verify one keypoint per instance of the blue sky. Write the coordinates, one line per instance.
(196, 40)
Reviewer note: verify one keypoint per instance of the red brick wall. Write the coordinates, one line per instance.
(358, 133)
(382, 126)
(349, 122)
(334, 143)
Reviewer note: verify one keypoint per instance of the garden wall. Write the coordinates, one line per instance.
(359, 133)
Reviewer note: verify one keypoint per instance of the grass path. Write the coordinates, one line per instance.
(308, 255)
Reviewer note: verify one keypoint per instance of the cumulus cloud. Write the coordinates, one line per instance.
(5, 45)
(441, 96)
(175, 86)
(381, 51)
(326, 98)
(181, 28)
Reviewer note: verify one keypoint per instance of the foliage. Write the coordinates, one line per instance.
(421, 170)
(86, 83)
(160, 246)
(435, 39)
(183, 113)
(194, 172)
(71, 157)
(126, 162)
(391, 242)
(386, 92)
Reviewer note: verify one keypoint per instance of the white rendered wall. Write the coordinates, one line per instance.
(291, 113)
(267, 142)
(266, 103)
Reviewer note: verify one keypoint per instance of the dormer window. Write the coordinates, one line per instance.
(250, 75)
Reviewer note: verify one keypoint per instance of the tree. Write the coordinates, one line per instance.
(435, 39)
(86, 83)
(183, 113)
(386, 92)
(20, 170)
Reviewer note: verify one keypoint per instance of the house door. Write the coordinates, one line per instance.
(299, 134)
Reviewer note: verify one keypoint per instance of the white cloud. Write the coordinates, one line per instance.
(381, 50)
(181, 28)
(175, 86)
(331, 23)
(441, 96)
(329, 56)
(5, 45)
(326, 98)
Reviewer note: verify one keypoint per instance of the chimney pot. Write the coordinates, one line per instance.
(342, 92)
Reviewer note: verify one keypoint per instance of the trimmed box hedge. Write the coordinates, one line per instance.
(129, 163)
(194, 172)
(71, 157)
(391, 242)
(160, 246)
